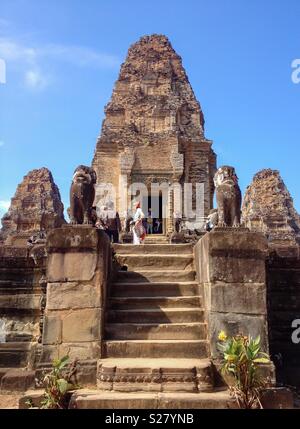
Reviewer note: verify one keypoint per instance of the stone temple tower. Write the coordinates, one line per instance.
(153, 133)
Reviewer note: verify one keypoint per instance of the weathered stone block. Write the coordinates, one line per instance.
(241, 298)
(232, 268)
(82, 351)
(236, 323)
(20, 302)
(277, 398)
(74, 266)
(73, 237)
(73, 295)
(82, 325)
(17, 380)
(52, 331)
(231, 256)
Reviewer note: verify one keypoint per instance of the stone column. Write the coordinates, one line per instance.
(170, 210)
(77, 273)
(231, 271)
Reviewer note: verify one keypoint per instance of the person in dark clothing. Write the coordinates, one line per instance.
(110, 222)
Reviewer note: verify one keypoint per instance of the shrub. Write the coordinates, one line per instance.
(242, 358)
(58, 383)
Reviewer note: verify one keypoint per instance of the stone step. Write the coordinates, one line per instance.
(155, 375)
(16, 380)
(147, 302)
(156, 239)
(14, 354)
(162, 315)
(95, 399)
(155, 276)
(155, 349)
(148, 249)
(147, 331)
(154, 289)
(137, 262)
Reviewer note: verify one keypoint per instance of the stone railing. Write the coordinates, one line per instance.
(231, 272)
(79, 264)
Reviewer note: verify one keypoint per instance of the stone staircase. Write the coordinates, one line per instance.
(154, 307)
(155, 329)
(155, 349)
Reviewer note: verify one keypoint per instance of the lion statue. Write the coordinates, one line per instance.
(229, 197)
(82, 194)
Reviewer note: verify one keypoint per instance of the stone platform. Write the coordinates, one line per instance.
(93, 399)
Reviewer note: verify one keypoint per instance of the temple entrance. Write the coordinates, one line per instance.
(152, 207)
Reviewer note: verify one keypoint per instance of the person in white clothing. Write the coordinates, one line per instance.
(139, 232)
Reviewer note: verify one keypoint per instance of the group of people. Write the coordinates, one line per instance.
(152, 226)
(108, 220)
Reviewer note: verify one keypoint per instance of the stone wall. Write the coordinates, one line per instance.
(231, 272)
(78, 269)
(283, 308)
(20, 306)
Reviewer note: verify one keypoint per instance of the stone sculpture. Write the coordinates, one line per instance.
(229, 197)
(82, 194)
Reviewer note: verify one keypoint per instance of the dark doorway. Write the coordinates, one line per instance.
(153, 210)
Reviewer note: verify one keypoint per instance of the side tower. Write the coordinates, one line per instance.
(153, 132)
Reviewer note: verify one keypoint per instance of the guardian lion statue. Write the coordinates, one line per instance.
(229, 197)
(82, 194)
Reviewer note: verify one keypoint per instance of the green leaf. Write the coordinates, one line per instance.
(63, 385)
(261, 360)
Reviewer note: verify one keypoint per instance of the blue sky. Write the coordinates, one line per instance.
(63, 57)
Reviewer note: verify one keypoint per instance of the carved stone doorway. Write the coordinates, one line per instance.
(155, 214)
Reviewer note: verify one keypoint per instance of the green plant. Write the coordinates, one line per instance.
(58, 383)
(242, 358)
(29, 403)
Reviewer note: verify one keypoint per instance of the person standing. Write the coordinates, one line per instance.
(110, 222)
(149, 223)
(139, 232)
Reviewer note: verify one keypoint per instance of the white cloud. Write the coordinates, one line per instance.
(1, 143)
(35, 79)
(32, 60)
(11, 51)
(81, 56)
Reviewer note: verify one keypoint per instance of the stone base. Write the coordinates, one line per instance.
(277, 398)
(87, 399)
(155, 375)
(84, 376)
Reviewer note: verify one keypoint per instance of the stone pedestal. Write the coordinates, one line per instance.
(231, 272)
(77, 273)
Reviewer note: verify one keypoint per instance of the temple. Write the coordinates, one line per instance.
(141, 322)
(153, 133)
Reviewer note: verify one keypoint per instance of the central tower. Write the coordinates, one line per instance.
(153, 132)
